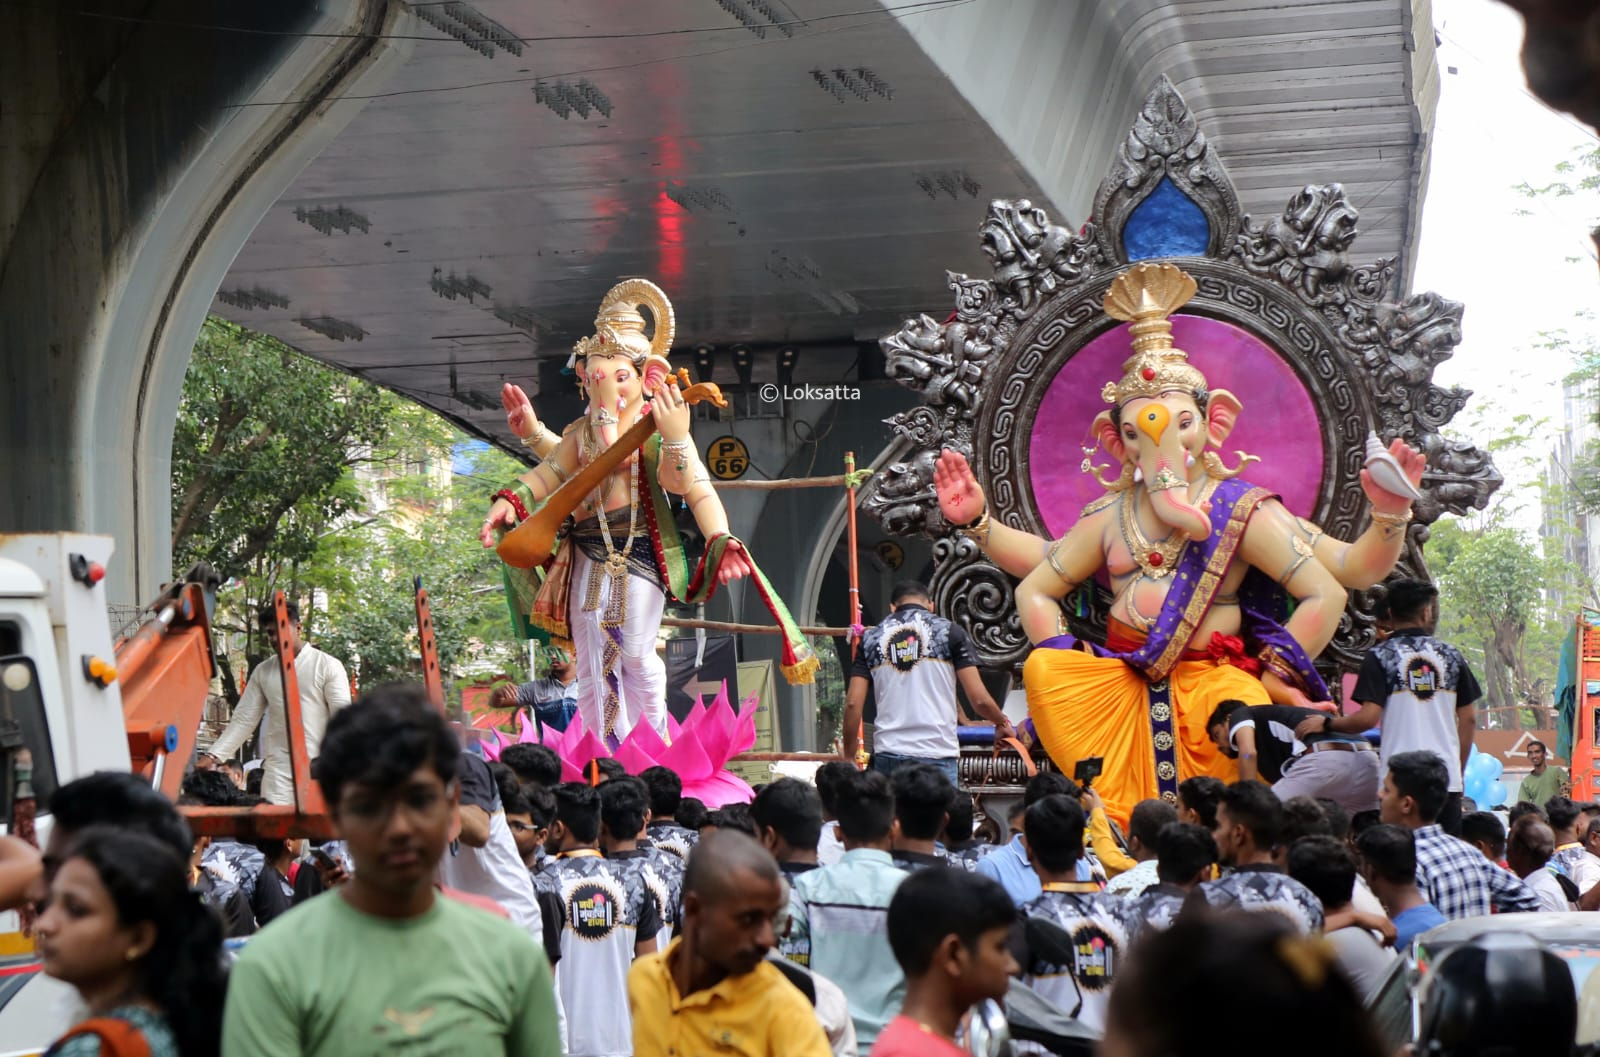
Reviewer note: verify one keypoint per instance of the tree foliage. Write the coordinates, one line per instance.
(1502, 589)
(1497, 587)
(1577, 175)
(290, 476)
(261, 450)
(431, 533)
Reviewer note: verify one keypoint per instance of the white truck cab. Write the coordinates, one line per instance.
(60, 717)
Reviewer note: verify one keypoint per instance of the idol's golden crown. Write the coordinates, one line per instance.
(1145, 296)
(619, 326)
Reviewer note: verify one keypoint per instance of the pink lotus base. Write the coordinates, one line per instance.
(698, 749)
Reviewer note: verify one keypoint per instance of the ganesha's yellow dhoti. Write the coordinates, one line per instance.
(1151, 735)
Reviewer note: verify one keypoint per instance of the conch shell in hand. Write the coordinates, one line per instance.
(1386, 471)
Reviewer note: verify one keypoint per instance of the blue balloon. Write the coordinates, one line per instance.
(1481, 768)
(1499, 793)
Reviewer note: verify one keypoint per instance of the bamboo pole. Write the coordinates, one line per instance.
(752, 629)
(781, 483)
(855, 578)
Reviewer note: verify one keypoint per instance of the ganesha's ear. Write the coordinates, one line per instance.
(1222, 414)
(655, 369)
(1109, 436)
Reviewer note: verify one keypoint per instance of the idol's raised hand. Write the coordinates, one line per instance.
(520, 417)
(960, 499)
(1412, 463)
(670, 412)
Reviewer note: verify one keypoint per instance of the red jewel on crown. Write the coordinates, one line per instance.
(1148, 374)
(1156, 558)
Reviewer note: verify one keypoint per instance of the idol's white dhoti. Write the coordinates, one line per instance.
(641, 674)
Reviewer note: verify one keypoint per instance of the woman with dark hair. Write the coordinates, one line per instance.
(1242, 982)
(123, 927)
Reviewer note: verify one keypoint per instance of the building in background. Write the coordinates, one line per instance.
(1564, 527)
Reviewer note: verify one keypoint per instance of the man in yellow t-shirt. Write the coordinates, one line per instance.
(713, 989)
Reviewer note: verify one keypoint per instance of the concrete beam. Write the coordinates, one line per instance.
(1060, 83)
(143, 152)
(792, 533)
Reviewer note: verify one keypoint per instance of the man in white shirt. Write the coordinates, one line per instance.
(483, 859)
(324, 689)
(1528, 851)
(1571, 858)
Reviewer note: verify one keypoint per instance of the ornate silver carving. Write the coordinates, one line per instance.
(1165, 142)
(1366, 358)
(1032, 257)
(973, 593)
(901, 496)
(1305, 247)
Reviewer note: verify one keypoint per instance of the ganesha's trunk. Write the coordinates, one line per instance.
(606, 421)
(1169, 496)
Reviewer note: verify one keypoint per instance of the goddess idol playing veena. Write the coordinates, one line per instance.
(605, 586)
(1201, 565)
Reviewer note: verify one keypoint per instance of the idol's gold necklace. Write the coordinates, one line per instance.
(1157, 558)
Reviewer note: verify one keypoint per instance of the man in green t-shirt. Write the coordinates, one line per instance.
(1545, 780)
(385, 964)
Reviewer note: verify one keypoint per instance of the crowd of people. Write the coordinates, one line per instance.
(490, 907)
(473, 907)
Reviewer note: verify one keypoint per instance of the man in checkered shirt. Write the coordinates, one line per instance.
(1454, 875)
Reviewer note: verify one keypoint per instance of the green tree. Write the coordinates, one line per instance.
(1495, 584)
(1500, 588)
(289, 475)
(1578, 175)
(368, 576)
(261, 450)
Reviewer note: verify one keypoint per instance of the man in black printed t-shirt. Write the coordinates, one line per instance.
(607, 919)
(1343, 768)
(622, 815)
(1249, 820)
(913, 660)
(666, 794)
(1185, 854)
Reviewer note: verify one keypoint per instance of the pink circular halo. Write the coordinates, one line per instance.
(1279, 421)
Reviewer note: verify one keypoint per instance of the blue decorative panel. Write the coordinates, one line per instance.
(1167, 224)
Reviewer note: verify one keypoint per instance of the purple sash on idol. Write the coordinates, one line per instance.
(1201, 567)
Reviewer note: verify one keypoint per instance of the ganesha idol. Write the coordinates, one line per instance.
(619, 554)
(1201, 565)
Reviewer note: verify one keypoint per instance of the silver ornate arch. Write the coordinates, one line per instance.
(1365, 357)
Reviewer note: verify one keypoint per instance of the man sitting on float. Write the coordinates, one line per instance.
(1200, 564)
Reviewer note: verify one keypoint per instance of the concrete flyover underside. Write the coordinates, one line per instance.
(798, 178)
(133, 165)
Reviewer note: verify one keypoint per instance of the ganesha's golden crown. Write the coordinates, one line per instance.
(619, 326)
(1145, 296)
